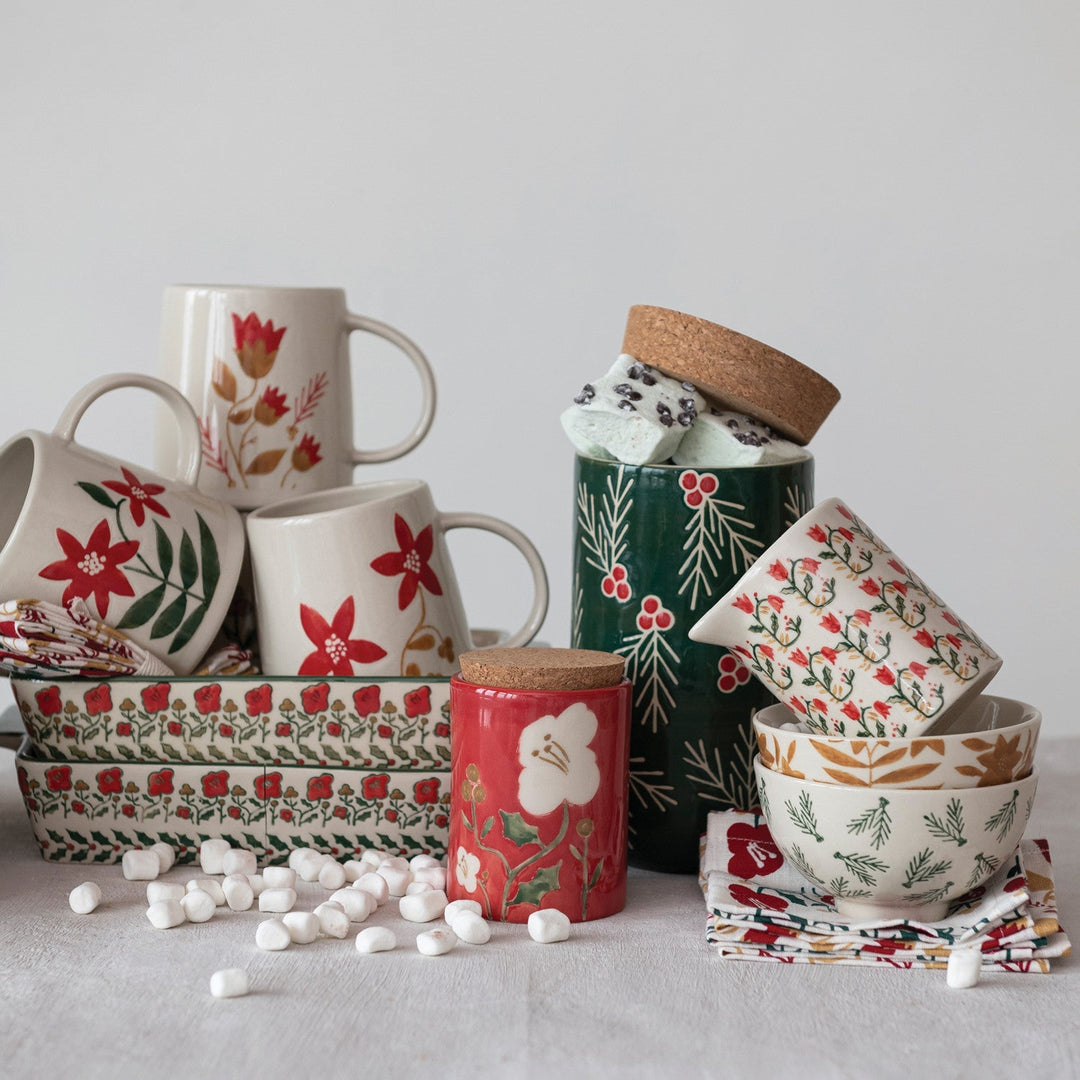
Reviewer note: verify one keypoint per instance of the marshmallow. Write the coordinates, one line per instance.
(376, 939)
(208, 885)
(212, 855)
(333, 922)
(332, 875)
(455, 907)
(633, 413)
(721, 440)
(435, 942)
(418, 887)
(423, 862)
(423, 907)
(164, 890)
(375, 884)
(964, 968)
(272, 935)
(471, 928)
(354, 869)
(308, 868)
(395, 862)
(166, 855)
(435, 876)
(548, 925)
(277, 900)
(229, 983)
(397, 880)
(297, 855)
(199, 906)
(356, 903)
(84, 898)
(140, 865)
(165, 914)
(279, 877)
(239, 861)
(371, 859)
(257, 883)
(303, 926)
(239, 895)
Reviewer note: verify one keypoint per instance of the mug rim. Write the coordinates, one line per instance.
(182, 286)
(670, 466)
(334, 502)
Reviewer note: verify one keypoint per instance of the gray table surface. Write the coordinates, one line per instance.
(638, 994)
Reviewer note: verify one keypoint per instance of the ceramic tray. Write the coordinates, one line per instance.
(92, 811)
(389, 723)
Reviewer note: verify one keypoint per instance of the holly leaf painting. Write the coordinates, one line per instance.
(517, 830)
(544, 881)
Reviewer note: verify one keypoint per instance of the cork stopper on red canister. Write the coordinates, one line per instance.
(542, 668)
(735, 371)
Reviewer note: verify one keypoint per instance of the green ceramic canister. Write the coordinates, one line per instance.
(655, 546)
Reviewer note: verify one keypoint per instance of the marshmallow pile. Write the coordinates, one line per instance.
(640, 416)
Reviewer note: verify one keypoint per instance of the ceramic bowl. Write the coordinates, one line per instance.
(894, 853)
(991, 741)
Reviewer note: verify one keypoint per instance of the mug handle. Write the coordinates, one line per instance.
(427, 389)
(532, 557)
(189, 448)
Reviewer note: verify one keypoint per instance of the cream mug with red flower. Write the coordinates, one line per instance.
(151, 555)
(267, 370)
(358, 581)
(846, 634)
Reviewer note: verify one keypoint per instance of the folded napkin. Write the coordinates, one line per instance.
(762, 908)
(228, 660)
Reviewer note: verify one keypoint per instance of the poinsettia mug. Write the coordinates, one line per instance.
(358, 581)
(847, 635)
(151, 555)
(267, 370)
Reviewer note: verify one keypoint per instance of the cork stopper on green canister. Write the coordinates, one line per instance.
(542, 669)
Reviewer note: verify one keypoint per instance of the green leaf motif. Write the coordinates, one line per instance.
(517, 830)
(596, 874)
(486, 827)
(189, 564)
(164, 550)
(544, 881)
(99, 495)
(170, 618)
(211, 563)
(143, 610)
(214, 752)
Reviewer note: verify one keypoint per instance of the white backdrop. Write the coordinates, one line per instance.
(887, 192)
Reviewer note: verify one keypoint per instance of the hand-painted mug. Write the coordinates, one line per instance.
(358, 580)
(267, 370)
(846, 634)
(152, 555)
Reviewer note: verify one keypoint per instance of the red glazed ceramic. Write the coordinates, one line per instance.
(539, 800)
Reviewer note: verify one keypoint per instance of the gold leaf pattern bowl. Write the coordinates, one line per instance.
(991, 741)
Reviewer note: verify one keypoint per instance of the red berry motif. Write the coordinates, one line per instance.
(615, 584)
(698, 488)
(654, 616)
(733, 674)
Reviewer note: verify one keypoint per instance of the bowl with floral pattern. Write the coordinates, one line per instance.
(991, 741)
(894, 853)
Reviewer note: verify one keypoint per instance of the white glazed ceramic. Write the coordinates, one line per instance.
(358, 581)
(151, 555)
(888, 853)
(991, 741)
(267, 370)
(846, 635)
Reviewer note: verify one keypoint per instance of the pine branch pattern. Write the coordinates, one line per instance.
(932, 896)
(735, 786)
(876, 821)
(952, 828)
(922, 868)
(984, 866)
(799, 859)
(710, 529)
(649, 666)
(1001, 822)
(803, 817)
(864, 867)
(840, 886)
(647, 791)
(796, 504)
(603, 530)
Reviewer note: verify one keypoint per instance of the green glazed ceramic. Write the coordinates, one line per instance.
(654, 547)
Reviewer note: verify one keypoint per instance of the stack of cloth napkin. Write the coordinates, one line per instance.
(762, 908)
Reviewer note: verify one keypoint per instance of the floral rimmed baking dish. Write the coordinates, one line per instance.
(92, 811)
(387, 723)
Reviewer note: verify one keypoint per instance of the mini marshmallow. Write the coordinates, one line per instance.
(455, 907)
(333, 922)
(140, 865)
(166, 855)
(277, 900)
(199, 906)
(423, 862)
(396, 862)
(354, 869)
(376, 885)
(397, 880)
(435, 942)
(357, 904)
(423, 907)
(435, 876)
(309, 867)
(165, 914)
(418, 887)
(272, 935)
(471, 928)
(239, 861)
(84, 898)
(964, 968)
(633, 413)
(372, 859)
(239, 895)
(212, 855)
(376, 939)
(303, 926)
(332, 875)
(208, 885)
(229, 983)
(548, 925)
(279, 877)
(164, 890)
(297, 855)
(257, 883)
(721, 439)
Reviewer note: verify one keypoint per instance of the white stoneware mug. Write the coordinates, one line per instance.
(358, 581)
(267, 370)
(151, 555)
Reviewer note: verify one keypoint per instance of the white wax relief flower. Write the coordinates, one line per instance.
(557, 764)
(467, 865)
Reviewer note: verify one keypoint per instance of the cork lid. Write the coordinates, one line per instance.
(542, 669)
(735, 371)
